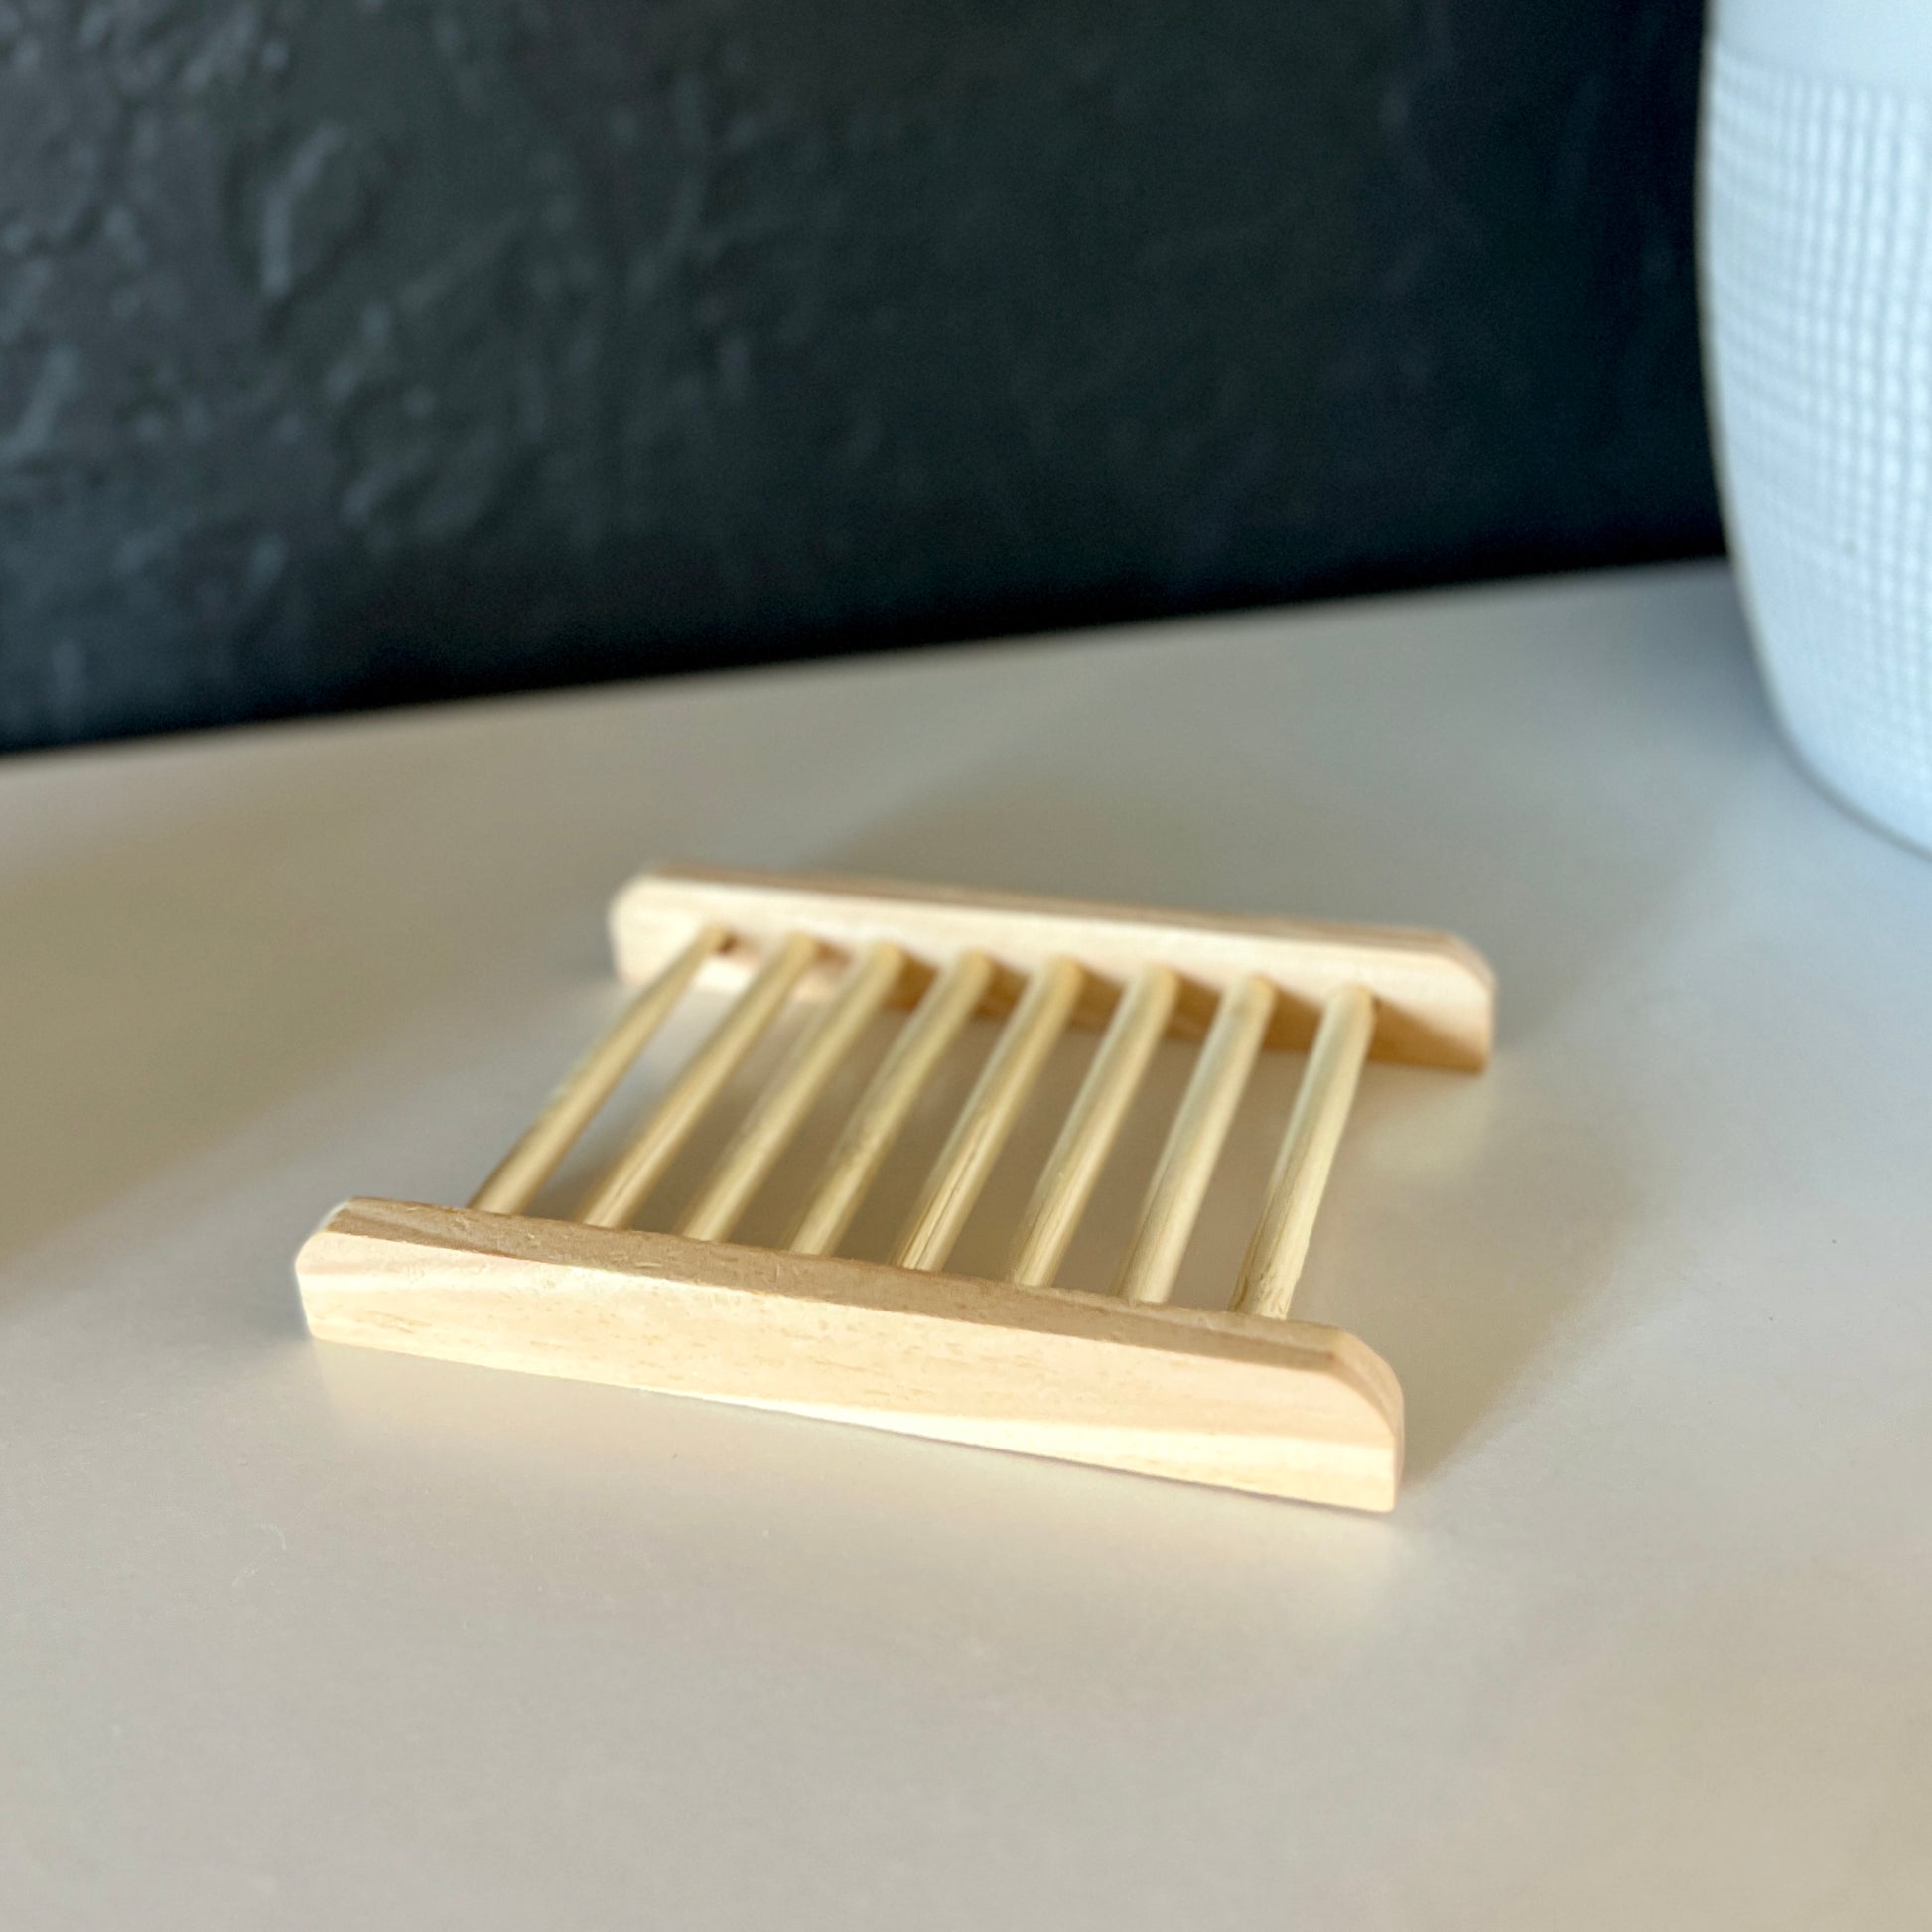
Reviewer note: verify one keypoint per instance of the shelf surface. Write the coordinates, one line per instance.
(313, 1636)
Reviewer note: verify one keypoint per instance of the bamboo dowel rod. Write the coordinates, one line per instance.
(1093, 1126)
(1314, 1128)
(768, 1130)
(988, 1115)
(517, 1178)
(655, 1147)
(1195, 1142)
(950, 1002)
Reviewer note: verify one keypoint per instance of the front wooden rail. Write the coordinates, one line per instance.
(1276, 1408)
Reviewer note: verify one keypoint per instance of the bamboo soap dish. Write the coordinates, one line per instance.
(1248, 1398)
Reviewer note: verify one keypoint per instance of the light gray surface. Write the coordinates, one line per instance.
(300, 1637)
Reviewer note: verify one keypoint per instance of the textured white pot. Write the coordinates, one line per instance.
(1817, 262)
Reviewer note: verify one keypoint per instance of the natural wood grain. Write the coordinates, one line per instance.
(1281, 1243)
(777, 1114)
(1435, 997)
(1093, 1126)
(590, 1083)
(1194, 1145)
(641, 1163)
(853, 1164)
(1281, 1409)
(988, 1117)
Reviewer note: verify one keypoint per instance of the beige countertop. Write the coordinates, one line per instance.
(306, 1637)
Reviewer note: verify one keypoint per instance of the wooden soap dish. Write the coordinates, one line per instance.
(1248, 1400)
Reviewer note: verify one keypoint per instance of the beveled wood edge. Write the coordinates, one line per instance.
(359, 1269)
(1434, 994)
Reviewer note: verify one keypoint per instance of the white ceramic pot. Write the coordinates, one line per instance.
(1816, 238)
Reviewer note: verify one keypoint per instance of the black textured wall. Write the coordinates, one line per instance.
(362, 350)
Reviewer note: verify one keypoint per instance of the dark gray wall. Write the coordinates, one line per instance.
(352, 351)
